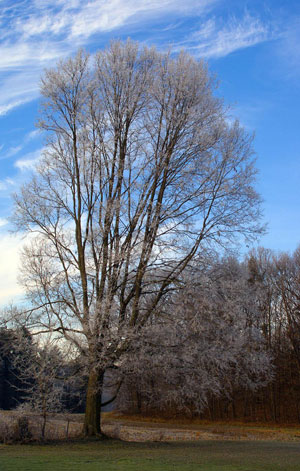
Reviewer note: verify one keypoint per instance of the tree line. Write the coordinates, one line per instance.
(225, 346)
(257, 301)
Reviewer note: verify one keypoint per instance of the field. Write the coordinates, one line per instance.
(114, 455)
(159, 445)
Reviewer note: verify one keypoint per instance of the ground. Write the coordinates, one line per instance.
(115, 455)
(159, 445)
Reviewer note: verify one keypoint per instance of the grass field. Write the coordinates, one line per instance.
(112, 455)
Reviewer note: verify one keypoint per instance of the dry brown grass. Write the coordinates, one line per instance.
(140, 428)
(228, 430)
(60, 426)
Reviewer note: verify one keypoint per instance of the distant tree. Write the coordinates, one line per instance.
(288, 284)
(10, 380)
(275, 278)
(142, 170)
(41, 373)
(205, 342)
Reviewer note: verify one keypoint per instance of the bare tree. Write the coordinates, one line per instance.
(276, 280)
(214, 348)
(287, 281)
(41, 377)
(141, 171)
(12, 389)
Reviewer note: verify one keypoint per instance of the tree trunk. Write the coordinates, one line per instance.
(44, 425)
(92, 420)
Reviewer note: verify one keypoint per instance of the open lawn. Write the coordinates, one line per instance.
(113, 455)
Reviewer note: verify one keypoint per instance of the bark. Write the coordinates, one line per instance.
(92, 420)
(44, 425)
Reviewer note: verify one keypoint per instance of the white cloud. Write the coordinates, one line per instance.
(29, 161)
(28, 164)
(10, 247)
(35, 53)
(100, 15)
(11, 152)
(18, 88)
(6, 184)
(32, 135)
(5, 108)
(213, 40)
(35, 34)
(288, 50)
(21, 65)
(3, 222)
(75, 18)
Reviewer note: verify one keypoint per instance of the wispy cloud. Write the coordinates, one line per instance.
(18, 87)
(5, 108)
(28, 164)
(104, 16)
(6, 185)
(82, 19)
(32, 135)
(217, 40)
(288, 49)
(29, 161)
(35, 34)
(11, 152)
(3, 222)
(10, 259)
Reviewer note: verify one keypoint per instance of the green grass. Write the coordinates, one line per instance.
(113, 455)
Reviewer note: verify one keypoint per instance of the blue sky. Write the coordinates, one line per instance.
(252, 46)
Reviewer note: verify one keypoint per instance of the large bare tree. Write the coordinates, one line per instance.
(142, 170)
